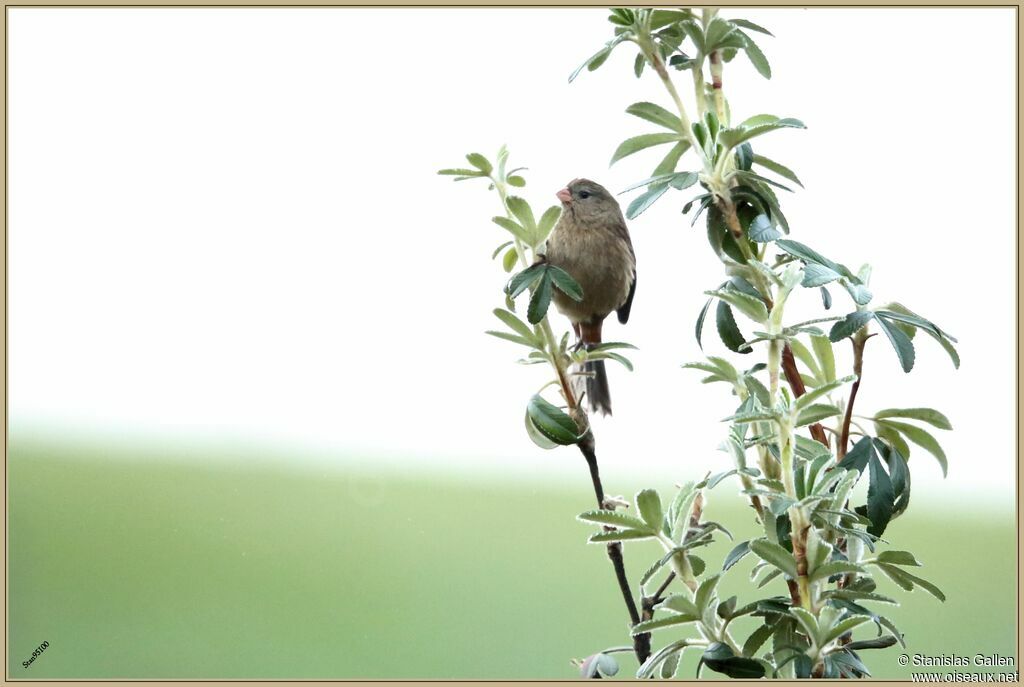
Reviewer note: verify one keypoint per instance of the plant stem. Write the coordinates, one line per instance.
(796, 383)
(641, 642)
(858, 340)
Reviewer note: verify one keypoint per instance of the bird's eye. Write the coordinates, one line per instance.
(584, 194)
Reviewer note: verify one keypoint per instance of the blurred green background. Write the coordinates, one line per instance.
(191, 562)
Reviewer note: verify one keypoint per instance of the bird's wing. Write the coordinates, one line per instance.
(623, 312)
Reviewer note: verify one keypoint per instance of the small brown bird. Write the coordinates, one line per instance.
(592, 244)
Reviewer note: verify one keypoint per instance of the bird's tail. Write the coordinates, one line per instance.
(597, 387)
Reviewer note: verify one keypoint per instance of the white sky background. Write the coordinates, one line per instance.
(227, 223)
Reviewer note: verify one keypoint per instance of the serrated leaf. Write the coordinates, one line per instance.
(880, 496)
(850, 325)
(728, 331)
(762, 230)
(564, 282)
(816, 275)
(645, 200)
(757, 57)
(734, 556)
(900, 342)
(540, 300)
(619, 535)
(615, 518)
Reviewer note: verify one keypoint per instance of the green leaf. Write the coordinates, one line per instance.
(645, 200)
(804, 355)
(898, 558)
(515, 324)
(751, 306)
(698, 330)
(659, 623)
(757, 57)
(480, 162)
(816, 413)
(921, 438)
(929, 415)
(827, 570)
(705, 592)
(521, 210)
(464, 173)
(524, 280)
(547, 223)
(618, 535)
(816, 275)
(516, 180)
(730, 138)
(823, 349)
(564, 282)
(642, 142)
(513, 338)
(540, 300)
(880, 497)
(744, 157)
(721, 659)
(756, 639)
(614, 518)
(762, 230)
(552, 422)
(680, 603)
(639, 62)
(843, 626)
(728, 331)
(747, 24)
(535, 434)
(740, 550)
(500, 248)
(671, 159)
(808, 254)
(900, 341)
(908, 580)
(850, 325)
(648, 503)
(508, 261)
(775, 555)
(780, 169)
(513, 228)
(816, 393)
(657, 115)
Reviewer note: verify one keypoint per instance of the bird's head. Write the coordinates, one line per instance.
(587, 201)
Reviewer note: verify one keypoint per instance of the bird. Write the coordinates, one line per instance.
(591, 243)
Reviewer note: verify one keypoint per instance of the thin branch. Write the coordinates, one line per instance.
(641, 642)
(858, 342)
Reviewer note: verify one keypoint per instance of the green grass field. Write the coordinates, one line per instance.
(156, 568)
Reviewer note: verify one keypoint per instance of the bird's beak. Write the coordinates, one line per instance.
(564, 196)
